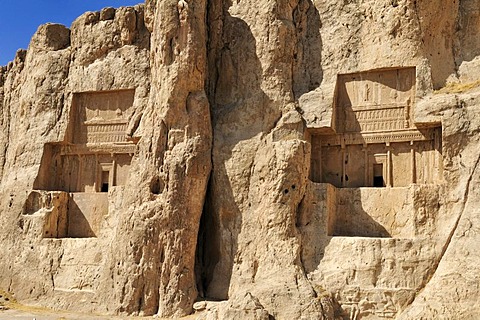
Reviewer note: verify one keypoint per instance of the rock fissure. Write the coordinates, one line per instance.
(275, 160)
(457, 220)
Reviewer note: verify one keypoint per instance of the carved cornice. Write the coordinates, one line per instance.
(99, 148)
(408, 135)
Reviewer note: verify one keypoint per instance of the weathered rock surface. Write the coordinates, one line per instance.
(38, 89)
(287, 159)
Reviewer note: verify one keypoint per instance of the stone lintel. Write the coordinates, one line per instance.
(365, 138)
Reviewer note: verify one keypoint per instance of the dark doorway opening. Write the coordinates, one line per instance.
(105, 180)
(104, 187)
(378, 180)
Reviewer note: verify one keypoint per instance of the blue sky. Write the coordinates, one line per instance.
(20, 19)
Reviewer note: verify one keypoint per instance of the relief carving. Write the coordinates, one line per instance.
(357, 303)
(373, 109)
(94, 157)
(100, 117)
(375, 101)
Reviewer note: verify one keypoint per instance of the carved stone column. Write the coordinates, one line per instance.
(388, 180)
(413, 164)
(344, 159)
(366, 181)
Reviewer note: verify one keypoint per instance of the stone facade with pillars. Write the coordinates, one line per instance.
(371, 171)
(374, 157)
(373, 141)
(79, 172)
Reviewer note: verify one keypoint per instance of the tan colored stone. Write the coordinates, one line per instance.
(51, 37)
(44, 82)
(107, 13)
(293, 159)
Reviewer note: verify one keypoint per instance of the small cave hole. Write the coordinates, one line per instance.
(293, 187)
(285, 191)
(156, 186)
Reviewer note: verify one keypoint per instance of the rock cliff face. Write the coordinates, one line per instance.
(294, 159)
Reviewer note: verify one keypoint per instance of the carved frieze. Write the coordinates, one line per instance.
(106, 132)
(373, 115)
(100, 117)
(378, 100)
(407, 135)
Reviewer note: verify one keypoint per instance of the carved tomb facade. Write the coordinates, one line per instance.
(94, 157)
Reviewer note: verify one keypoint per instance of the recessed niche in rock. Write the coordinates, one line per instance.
(374, 142)
(76, 175)
(374, 152)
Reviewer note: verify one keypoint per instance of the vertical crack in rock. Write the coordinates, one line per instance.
(258, 155)
(454, 229)
(215, 200)
(207, 248)
(162, 224)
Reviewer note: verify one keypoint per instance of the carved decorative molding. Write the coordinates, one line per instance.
(407, 135)
(376, 100)
(106, 132)
(124, 148)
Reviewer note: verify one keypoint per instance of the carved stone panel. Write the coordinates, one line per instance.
(94, 157)
(106, 132)
(397, 164)
(100, 117)
(373, 115)
(378, 100)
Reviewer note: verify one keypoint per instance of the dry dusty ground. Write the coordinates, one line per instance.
(20, 312)
(10, 309)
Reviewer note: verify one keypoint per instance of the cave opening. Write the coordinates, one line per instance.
(207, 251)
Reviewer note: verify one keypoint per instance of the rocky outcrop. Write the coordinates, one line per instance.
(155, 272)
(260, 159)
(38, 88)
(225, 153)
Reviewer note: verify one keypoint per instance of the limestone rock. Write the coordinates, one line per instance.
(95, 34)
(246, 307)
(293, 159)
(107, 14)
(51, 37)
(38, 91)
